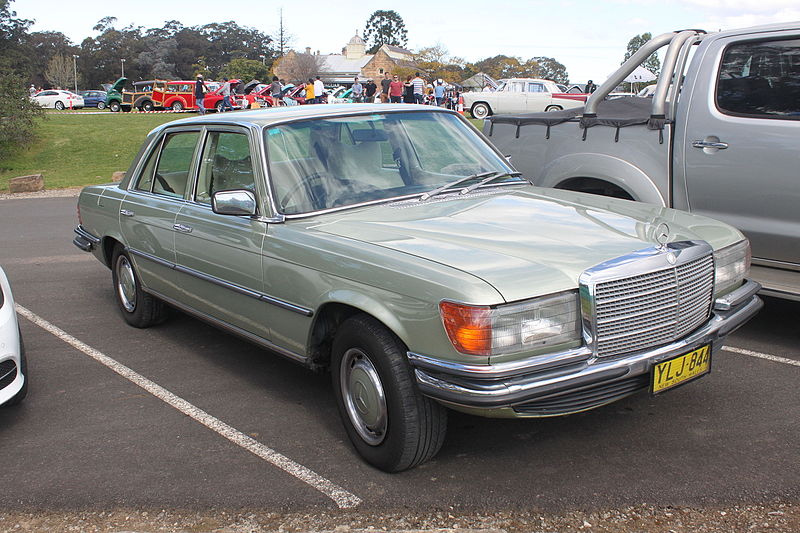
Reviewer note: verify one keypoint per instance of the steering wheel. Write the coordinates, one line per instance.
(311, 185)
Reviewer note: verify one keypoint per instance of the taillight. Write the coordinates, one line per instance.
(80, 220)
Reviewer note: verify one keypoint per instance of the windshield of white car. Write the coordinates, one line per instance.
(328, 163)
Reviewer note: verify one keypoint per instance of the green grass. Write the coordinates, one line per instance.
(76, 149)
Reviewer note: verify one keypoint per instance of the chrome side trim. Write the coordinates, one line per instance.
(255, 339)
(222, 283)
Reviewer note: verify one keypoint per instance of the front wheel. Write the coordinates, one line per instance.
(114, 107)
(218, 107)
(392, 426)
(480, 110)
(59, 106)
(552, 108)
(139, 309)
(23, 367)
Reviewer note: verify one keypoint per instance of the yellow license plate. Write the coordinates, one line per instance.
(681, 369)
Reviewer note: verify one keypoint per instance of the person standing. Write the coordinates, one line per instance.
(438, 93)
(32, 90)
(319, 91)
(200, 91)
(225, 91)
(275, 91)
(386, 82)
(358, 91)
(408, 91)
(419, 89)
(590, 87)
(396, 90)
(310, 91)
(370, 89)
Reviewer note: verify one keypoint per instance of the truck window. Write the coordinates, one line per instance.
(760, 79)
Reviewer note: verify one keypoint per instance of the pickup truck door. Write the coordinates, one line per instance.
(742, 142)
(219, 256)
(147, 212)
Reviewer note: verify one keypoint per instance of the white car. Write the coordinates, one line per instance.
(13, 369)
(57, 99)
(521, 95)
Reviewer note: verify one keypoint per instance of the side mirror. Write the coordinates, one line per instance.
(234, 202)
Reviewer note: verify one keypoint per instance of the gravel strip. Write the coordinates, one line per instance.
(48, 193)
(775, 517)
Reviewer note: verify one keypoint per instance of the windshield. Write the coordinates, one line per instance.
(324, 163)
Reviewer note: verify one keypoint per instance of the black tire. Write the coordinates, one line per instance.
(114, 106)
(23, 365)
(218, 107)
(552, 108)
(59, 105)
(392, 426)
(177, 105)
(101, 105)
(138, 308)
(147, 105)
(480, 110)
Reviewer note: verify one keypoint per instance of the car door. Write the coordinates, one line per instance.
(512, 99)
(219, 256)
(537, 98)
(742, 143)
(148, 210)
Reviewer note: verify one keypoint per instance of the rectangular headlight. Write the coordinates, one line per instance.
(505, 329)
(731, 267)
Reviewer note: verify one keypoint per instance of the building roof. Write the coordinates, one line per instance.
(340, 64)
(356, 39)
(395, 52)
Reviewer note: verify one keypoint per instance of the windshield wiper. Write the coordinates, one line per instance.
(455, 183)
(490, 178)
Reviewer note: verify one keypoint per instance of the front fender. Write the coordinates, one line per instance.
(603, 167)
(372, 306)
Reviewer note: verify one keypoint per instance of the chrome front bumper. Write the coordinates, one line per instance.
(574, 380)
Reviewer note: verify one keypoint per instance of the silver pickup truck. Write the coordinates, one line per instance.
(720, 137)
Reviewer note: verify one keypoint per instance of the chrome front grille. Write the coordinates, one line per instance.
(651, 309)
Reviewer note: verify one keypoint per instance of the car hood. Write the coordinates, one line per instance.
(119, 85)
(525, 242)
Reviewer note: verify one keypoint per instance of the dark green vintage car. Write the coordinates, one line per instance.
(395, 247)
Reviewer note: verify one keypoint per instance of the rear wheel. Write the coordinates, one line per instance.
(147, 105)
(480, 110)
(218, 107)
(101, 105)
(139, 309)
(177, 105)
(391, 425)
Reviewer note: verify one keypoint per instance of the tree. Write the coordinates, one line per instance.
(435, 62)
(385, 27)
(60, 73)
(296, 67)
(284, 39)
(652, 63)
(245, 70)
(549, 69)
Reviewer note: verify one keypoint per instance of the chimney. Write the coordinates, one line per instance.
(308, 50)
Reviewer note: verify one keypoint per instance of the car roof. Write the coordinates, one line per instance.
(273, 115)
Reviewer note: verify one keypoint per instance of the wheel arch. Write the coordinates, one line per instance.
(341, 305)
(601, 168)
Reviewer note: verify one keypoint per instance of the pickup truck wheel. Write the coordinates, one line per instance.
(553, 108)
(480, 110)
(177, 105)
(139, 309)
(114, 107)
(392, 426)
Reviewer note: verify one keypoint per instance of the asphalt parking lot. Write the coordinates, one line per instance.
(183, 416)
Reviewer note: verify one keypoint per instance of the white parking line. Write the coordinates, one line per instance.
(760, 355)
(341, 497)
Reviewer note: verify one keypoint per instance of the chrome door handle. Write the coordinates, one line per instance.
(183, 228)
(126, 212)
(710, 144)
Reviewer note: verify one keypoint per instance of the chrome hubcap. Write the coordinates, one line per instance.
(363, 395)
(126, 284)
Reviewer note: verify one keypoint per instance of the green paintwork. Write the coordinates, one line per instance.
(394, 262)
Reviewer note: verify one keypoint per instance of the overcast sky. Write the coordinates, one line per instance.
(588, 36)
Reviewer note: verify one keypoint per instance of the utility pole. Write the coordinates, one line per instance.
(123, 67)
(75, 71)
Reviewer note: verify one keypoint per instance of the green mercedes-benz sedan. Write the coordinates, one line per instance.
(397, 248)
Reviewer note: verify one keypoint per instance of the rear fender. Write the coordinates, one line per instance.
(602, 167)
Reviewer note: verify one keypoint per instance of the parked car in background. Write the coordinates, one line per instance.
(521, 95)
(58, 99)
(94, 99)
(13, 364)
(394, 246)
